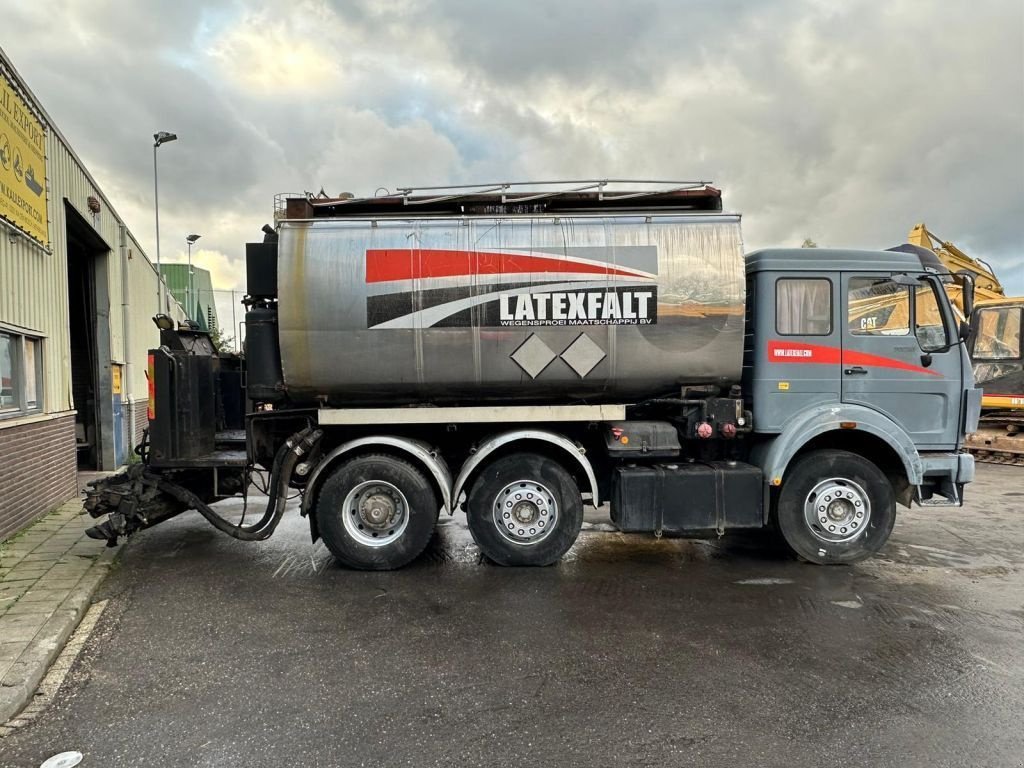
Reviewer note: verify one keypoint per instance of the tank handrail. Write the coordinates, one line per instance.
(594, 182)
(455, 191)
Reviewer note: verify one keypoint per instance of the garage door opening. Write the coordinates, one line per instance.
(89, 322)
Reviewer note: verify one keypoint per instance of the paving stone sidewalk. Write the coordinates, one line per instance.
(48, 574)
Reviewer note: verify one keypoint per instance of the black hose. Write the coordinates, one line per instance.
(287, 457)
(142, 449)
(275, 475)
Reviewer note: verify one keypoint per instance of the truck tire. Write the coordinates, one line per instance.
(524, 509)
(376, 513)
(835, 507)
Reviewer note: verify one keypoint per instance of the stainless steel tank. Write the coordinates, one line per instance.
(535, 309)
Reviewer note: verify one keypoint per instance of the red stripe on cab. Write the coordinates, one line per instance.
(799, 352)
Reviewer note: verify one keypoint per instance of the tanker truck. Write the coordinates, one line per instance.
(516, 352)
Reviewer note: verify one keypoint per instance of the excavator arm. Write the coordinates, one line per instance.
(996, 353)
(986, 284)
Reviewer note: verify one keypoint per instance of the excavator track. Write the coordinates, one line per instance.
(1000, 440)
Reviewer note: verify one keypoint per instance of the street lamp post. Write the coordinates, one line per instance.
(189, 289)
(161, 137)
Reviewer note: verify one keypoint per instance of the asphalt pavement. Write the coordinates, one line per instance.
(632, 651)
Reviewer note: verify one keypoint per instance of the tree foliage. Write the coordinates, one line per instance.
(221, 342)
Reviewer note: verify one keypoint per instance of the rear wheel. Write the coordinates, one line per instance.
(524, 509)
(376, 513)
(835, 507)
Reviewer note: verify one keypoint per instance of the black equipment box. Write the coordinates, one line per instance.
(261, 269)
(231, 394)
(654, 439)
(687, 497)
(185, 423)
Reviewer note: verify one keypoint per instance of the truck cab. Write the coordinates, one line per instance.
(859, 351)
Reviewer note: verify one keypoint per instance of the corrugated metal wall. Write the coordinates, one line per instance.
(34, 281)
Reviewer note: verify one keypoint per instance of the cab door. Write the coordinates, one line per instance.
(797, 324)
(899, 357)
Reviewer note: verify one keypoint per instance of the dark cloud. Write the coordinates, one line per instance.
(845, 122)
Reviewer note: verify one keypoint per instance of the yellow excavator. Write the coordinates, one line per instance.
(995, 349)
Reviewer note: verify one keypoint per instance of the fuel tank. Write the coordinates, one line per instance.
(453, 310)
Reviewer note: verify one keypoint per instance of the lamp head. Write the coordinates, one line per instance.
(162, 137)
(193, 238)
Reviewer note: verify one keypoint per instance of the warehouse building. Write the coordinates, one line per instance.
(77, 295)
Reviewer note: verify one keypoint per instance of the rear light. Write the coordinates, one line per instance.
(151, 387)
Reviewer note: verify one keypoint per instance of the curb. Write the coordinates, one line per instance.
(23, 678)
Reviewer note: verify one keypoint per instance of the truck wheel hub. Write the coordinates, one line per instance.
(375, 513)
(841, 510)
(525, 512)
(378, 509)
(837, 510)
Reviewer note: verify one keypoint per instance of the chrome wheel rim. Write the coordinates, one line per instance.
(525, 512)
(837, 510)
(375, 513)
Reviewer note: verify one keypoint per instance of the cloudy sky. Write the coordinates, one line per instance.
(842, 121)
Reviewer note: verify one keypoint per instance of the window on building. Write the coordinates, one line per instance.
(878, 307)
(21, 374)
(803, 307)
(8, 395)
(998, 334)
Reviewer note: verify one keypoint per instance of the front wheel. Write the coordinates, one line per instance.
(524, 509)
(835, 507)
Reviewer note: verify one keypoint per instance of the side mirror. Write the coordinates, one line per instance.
(965, 330)
(966, 281)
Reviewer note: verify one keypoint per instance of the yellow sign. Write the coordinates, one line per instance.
(784, 386)
(115, 379)
(22, 165)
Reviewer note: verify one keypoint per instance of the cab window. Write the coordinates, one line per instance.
(803, 306)
(998, 333)
(878, 307)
